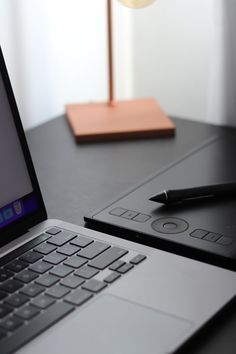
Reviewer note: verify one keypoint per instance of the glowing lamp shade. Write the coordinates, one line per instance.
(118, 119)
(136, 4)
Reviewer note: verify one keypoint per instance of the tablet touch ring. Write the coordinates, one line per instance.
(169, 225)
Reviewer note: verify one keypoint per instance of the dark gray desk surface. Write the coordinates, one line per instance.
(76, 179)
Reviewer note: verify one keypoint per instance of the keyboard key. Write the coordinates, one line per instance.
(3, 295)
(11, 323)
(58, 291)
(54, 258)
(43, 302)
(27, 312)
(107, 257)
(45, 248)
(17, 265)
(74, 289)
(94, 285)
(26, 276)
(2, 333)
(117, 265)
(68, 250)
(78, 297)
(81, 241)
(138, 259)
(47, 280)
(86, 272)
(61, 271)
(5, 310)
(36, 326)
(75, 262)
(31, 257)
(125, 268)
(5, 274)
(72, 281)
(17, 300)
(12, 256)
(53, 231)
(112, 277)
(93, 250)
(32, 290)
(40, 267)
(62, 238)
(10, 286)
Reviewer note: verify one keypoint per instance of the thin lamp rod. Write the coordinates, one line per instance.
(110, 53)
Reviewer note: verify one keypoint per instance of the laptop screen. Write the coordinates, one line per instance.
(20, 197)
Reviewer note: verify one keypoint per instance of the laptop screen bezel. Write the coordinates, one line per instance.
(21, 226)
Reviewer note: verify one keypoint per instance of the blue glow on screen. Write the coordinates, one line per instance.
(17, 210)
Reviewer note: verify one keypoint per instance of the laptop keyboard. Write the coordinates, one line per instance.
(47, 278)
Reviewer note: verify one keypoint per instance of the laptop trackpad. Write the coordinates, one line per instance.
(114, 325)
(126, 327)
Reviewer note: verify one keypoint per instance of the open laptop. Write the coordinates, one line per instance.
(64, 288)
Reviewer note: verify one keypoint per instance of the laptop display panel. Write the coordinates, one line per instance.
(21, 204)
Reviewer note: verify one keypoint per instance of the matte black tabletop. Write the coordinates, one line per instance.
(78, 178)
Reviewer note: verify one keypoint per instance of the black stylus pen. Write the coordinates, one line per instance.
(172, 196)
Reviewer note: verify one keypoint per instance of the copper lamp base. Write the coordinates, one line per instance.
(121, 120)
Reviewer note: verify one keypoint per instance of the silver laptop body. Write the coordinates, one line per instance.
(157, 302)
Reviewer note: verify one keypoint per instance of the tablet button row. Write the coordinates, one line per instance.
(130, 214)
(212, 237)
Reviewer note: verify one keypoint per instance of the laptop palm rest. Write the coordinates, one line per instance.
(114, 325)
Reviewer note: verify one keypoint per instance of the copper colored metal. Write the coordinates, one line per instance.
(117, 120)
(125, 120)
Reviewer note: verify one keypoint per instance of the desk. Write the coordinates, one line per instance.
(76, 179)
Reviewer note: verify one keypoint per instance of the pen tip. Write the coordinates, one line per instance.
(159, 198)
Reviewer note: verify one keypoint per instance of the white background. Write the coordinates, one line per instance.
(56, 54)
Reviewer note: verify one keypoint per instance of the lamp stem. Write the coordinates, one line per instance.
(110, 56)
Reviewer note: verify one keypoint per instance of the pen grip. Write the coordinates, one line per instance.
(225, 189)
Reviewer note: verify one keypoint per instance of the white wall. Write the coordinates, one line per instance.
(222, 88)
(56, 54)
(172, 54)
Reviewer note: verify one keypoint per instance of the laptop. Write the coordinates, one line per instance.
(65, 288)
